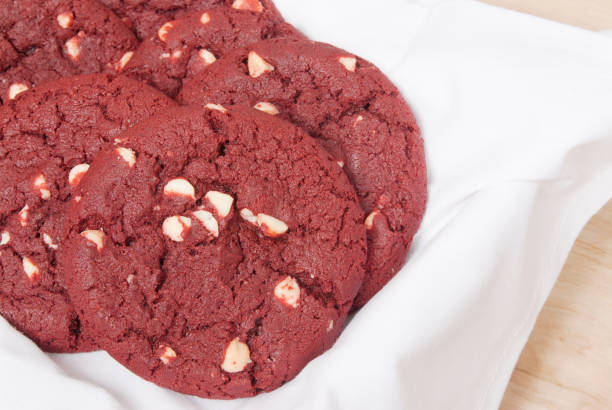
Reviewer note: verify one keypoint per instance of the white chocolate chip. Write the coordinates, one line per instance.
(257, 65)
(16, 89)
(30, 268)
(251, 5)
(330, 326)
(221, 201)
(96, 237)
(78, 198)
(176, 54)
(125, 58)
(207, 56)
(24, 214)
(40, 183)
(248, 216)
(45, 193)
(5, 238)
(208, 220)
(340, 164)
(76, 173)
(130, 279)
(237, 356)
(205, 18)
(168, 355)
(127, 155)
(216, 107)
(350, 63)
(176, 227)
(267, 108)
(271, 226)
(73, 48)
(65, 19)
(179, 187)
(49, 242)
(357, 120)
(369, 221)
(163, 31)
(287, 291)
(165, 55)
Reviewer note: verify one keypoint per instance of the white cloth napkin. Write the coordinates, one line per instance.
(516, 113)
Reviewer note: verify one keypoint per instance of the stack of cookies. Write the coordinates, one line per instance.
(195, 187)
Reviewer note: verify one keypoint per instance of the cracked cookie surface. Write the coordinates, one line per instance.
(146, 17)
(48, 136)
(187, 46)
(216, 251)
(355, 113)
(49, 39)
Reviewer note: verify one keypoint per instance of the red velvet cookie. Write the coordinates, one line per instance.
(146, 17)
(215, 251)
(353, 111)
(47, 138)
(184, 47)
(49, 39)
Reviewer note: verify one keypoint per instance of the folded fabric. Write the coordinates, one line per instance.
(517, 121)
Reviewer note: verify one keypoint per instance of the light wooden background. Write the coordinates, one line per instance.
(567, 363)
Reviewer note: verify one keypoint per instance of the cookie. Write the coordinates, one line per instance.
(184, 47)
(48, 39)
(48, 136)
(147, 17)
(215, 251)
(354, 112)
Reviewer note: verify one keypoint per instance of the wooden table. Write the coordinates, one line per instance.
(567, 363)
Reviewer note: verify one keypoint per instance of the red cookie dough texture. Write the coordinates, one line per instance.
(48, 39)
(48, 137)
(228, 249)
(355, 113)
(183, 48)
(146, 17)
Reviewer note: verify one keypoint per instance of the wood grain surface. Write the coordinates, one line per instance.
(567, 362)
(590, 14)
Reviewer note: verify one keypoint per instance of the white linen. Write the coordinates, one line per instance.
(516, 113)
